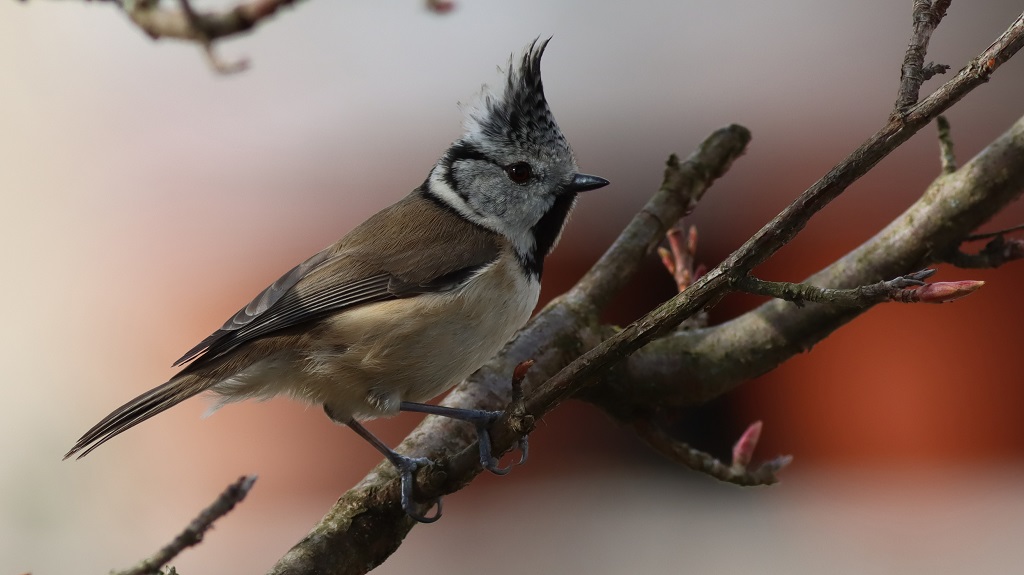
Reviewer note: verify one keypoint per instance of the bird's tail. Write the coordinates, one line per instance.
(136, 411)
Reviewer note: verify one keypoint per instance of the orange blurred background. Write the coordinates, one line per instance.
(147, 199)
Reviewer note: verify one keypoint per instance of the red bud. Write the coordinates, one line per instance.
(942, 292)
(743, 451)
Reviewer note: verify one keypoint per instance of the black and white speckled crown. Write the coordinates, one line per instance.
(519, 116)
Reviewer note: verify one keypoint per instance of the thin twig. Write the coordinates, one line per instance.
(735, 472)
(910, 288)
(680, 260)
(927, 16)
(184, 24)
(520, 421)
(784, 227)
(195, 530)
(202, 27)
(996, 253)
(680, 257)
(933, 69)
(997, 233)
(201, 37)
(207, 26)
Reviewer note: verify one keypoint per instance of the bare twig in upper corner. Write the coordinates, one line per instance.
(195, 530)
(791, 220)
(927, 16)
(207, 26)
(184, 23)
(202, 27)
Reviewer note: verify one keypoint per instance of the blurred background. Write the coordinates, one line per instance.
(146, 199)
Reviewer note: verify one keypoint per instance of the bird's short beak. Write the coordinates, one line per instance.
(583, 183)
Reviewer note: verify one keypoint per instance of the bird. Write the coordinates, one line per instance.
(413, 300)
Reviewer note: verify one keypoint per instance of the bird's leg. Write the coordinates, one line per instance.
(480, 419)
(405, 465)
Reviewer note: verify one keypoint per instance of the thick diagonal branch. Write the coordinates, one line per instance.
(691, 367)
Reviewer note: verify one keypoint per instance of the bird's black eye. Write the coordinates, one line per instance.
(519, 172)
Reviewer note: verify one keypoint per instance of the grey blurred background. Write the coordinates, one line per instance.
(146, 199)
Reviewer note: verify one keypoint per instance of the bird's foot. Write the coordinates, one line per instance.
(487, 459)
(407, 467)
(482, 420)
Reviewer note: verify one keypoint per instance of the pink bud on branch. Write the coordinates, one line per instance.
(743, 451)
(943, 292)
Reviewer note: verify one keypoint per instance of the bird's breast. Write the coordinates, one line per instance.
(415, 348)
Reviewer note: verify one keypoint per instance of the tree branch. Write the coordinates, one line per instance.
(784, 227)
(736, 472)
(997, 252)
(205, 27)
(183, 23)
(692, 367)
(910, 288)
(927, 16)
(193, 533)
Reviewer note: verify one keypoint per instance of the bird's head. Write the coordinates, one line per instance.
(513, 171)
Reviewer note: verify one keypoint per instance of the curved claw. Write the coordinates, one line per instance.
(407, 467)
(489, 462)
(524, 449)
(492, 466)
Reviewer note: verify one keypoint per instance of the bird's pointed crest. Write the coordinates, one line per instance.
(519, 115)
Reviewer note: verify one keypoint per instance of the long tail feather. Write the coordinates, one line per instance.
(133, 413)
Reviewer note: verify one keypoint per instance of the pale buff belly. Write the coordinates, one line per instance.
(370, 358)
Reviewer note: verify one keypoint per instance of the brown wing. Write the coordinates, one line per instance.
(415, 246)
